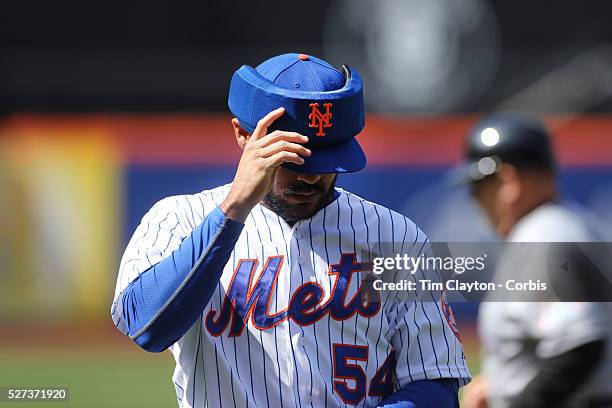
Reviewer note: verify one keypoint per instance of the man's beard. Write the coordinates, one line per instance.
(291, 212)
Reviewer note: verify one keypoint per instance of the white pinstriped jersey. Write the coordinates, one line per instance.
(297, 348)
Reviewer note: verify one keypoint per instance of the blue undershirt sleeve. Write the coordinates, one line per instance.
(441, 393)
(161, 304)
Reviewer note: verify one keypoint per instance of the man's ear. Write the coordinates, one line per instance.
(242, 136)
(511, 184)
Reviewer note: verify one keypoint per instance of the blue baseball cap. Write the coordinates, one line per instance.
(320, 102)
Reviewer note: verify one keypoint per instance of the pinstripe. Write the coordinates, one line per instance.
(314, 266)
(159, 229)
(182, 390)
(248, 334)
(444, 331)
(380, 320)
(223, 346)
(301, 328)
(433, 346)
(218, 378)
(387, 352)
(193, 217)
(295, 364)
(145, 247)
(221, 338)
(280, 387)
(263, 352)
(418, 336)
(392, 231)
(330, 285)
(195, 371)
(170, 237)
(348, 202)
(144, 236)
(236, 365)
(155, 240)
(195, 368)
(365, 221)
(340, 252)
(215, 348)
(200, 340)
(202, 204)
(429, 320)
(396, 294)
(407, 342)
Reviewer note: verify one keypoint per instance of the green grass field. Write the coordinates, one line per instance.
(100, 366)
(96, 378)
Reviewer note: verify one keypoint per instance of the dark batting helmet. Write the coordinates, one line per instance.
(517, 139)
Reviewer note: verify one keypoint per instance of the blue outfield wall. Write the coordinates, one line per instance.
(421, 193)
(394, 187)
(147, 184)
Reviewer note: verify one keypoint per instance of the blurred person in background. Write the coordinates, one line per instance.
(535, 354)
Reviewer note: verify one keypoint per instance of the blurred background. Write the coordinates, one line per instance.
(106, 107)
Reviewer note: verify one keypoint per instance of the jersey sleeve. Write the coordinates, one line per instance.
(563, 326)
(160, 304)
(160, 232)
(424, 333)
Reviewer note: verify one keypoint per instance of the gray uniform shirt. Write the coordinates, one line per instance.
(516, 334)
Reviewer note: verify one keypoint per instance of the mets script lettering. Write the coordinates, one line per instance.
(244, 300)
(319, 119)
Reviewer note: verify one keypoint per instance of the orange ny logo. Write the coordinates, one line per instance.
(318, 119)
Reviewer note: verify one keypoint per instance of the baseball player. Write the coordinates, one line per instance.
(535, 354)
(255, 286)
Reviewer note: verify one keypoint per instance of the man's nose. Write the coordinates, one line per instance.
(309, 178)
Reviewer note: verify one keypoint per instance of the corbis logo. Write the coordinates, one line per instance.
(318, 119)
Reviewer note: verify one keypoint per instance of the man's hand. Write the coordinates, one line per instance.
(262, 156)
(475, 393)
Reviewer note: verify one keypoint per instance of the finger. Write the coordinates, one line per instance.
(265, 122)
(283, 145)
(284, 157)
(281, 135)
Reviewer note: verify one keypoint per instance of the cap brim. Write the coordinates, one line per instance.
(346, 157)
(472, 171)
(460, 175)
